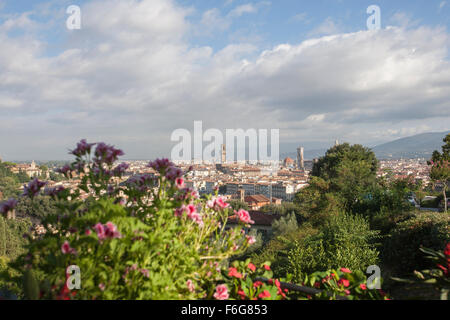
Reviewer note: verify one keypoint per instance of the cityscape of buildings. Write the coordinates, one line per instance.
(245, 182)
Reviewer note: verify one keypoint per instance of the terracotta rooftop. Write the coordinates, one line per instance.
(256, 198)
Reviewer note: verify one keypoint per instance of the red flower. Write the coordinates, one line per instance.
(344, 282)
(256, 284)
(277, 283)
(234, 273)
(443, 269)
(447, 249)
(266, 267)
(241, 294)
(264, 294)
(363, 286)
(251, 266)
(346, 270)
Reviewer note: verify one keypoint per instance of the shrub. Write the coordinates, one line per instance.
(401, 250)
(11, 236)
(147, 238)
(284, 225)
(345, 241)
(275, 251)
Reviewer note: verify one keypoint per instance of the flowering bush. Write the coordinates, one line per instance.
(148, 237)
(241, 283)
(342, 282)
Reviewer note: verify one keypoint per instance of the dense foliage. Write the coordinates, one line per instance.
(401, 250)
(344, 241)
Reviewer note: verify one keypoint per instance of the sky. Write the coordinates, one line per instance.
(138, 70)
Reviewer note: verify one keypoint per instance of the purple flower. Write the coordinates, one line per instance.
(161, 165)
(33, 188)
(107, 154)
(8, 205)
(173, 173)
(64, 170)
(53, 192)
(120, 169)
(82, 148)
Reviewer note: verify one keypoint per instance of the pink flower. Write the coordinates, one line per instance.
(347, 292)
(191, 212)
(251, 266)
(109, 230)
(101, 286)
(244, 216)
(145, 272)
(100, 231)
(345, 270)
(363, 286)
(179, 182)
(190, 285)
(220, 202)
(251, 239)
(66, 249)
(221, 292)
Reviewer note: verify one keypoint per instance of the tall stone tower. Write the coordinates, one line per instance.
(300, 158)
(224, 154)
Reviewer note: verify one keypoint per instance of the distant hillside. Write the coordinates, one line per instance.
(417, 146)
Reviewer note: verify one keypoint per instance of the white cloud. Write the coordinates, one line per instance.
(131, 80)
(327, 27)
(243, 9)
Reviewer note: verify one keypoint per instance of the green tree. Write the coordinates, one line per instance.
(440, 168)
(349, 170)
